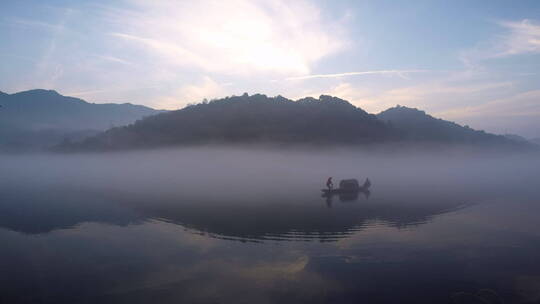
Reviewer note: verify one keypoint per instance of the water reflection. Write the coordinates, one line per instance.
(277, 221)
(156, 259)
(300, 218)
(345, 197)
(122, 248)
(36, 211)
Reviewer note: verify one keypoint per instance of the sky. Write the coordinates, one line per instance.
(473, 62)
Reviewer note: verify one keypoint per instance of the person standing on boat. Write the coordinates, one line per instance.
(329, 183)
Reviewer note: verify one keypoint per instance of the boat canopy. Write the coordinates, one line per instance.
(349, 184)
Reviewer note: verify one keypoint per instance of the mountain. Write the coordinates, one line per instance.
(249, 119)
(39, 118)
(535, 141)
(517, 138)
(46, 109)
(261, 119)
(415, 125)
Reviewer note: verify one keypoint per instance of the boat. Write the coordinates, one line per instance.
(348, 186)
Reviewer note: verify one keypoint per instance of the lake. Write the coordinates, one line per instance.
(220, 225)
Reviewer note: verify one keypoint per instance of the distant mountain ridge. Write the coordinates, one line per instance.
(40, 118)
(39, 109)
(44, 118)
(518, 138)
(261, 119)
(416, 125)
(535, 140)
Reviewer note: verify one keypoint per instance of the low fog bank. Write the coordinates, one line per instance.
(254, 193)
(249, 173)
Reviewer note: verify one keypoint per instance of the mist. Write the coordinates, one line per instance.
(256, 192)
(237, 172)
(254, 176)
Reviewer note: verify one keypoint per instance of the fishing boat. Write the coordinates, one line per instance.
(348, 186)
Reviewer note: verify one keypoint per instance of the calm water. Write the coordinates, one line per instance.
(251, 227)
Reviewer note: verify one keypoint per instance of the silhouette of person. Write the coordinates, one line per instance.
(329, 183)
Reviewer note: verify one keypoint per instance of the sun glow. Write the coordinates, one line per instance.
(236, 37)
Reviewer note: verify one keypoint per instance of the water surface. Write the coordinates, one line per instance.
(250, 226)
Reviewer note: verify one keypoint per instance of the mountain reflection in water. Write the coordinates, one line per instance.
(302, 218)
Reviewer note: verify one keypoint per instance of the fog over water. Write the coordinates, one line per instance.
(243, 173)
(221, 224)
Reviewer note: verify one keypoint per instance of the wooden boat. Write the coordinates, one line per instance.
(348, 186)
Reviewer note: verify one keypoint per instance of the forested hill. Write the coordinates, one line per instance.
(415, 125)
(250, 119)
(261, 119)
(38, 119)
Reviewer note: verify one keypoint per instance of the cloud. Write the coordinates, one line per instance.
(520, 37)
(175, 54)
(233, 37)
(523, 38)
(114, 59)
(37, 24)
(440, 94)
(521, 104)
(518, 113)
(400, 73)
(97, 92)
(191, 93)
(345, 90)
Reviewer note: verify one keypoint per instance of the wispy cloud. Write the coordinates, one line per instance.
(521, 104)
(519, 37)
(207, 88)
(400, 73)
(233, 37)
(438, 95)
(175, 54)
(518, 113)
(524, 37)
(35, 24)
(85, 93)
(114, 59)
